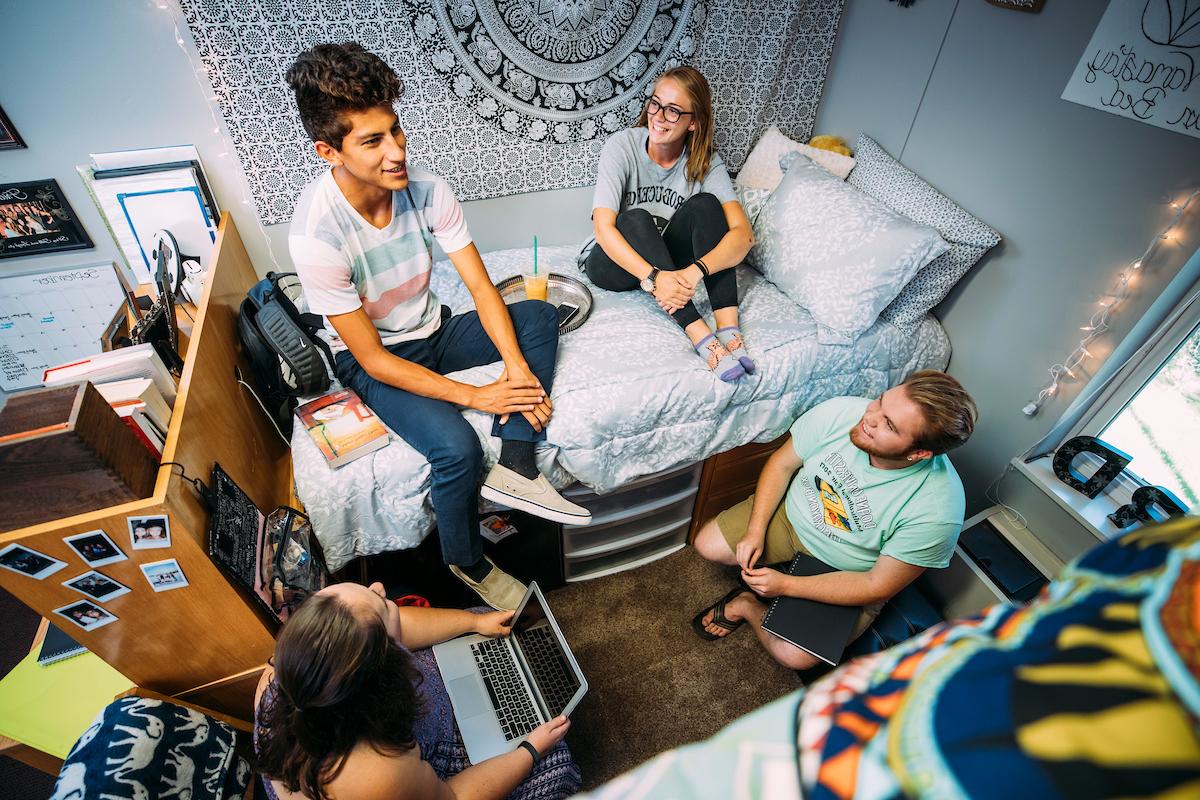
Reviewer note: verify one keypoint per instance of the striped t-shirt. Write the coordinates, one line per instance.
(345, 263)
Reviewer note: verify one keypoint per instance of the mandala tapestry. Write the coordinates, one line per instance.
(511, 96)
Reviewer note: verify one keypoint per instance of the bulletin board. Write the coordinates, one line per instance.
(54, 317)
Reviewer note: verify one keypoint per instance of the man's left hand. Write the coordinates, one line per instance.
(766, 582)
(494, 623)
(540, 415)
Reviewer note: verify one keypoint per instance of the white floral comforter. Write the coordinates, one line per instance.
(631, 398)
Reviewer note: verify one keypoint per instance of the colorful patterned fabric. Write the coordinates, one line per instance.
(1090, 691)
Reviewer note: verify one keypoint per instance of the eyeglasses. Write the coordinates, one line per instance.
(670, 113)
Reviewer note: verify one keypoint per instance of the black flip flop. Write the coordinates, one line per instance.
(719, 619)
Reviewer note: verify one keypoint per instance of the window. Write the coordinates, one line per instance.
(1160, 426)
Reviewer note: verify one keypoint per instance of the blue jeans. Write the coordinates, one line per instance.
(437, 430)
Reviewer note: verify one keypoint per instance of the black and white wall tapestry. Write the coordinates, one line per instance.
(510, 96)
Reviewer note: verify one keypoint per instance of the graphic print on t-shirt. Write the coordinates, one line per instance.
(836, 499)
(834, 509)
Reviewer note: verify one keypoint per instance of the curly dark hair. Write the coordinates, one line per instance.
(331, 79)
(339, 680)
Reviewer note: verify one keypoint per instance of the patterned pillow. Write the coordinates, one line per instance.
(836, 251)
(761, 170)
(889, 181)
(753, 200)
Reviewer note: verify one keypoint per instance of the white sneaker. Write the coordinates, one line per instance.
(534, 496)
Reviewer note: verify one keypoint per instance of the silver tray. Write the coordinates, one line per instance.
(559, 289)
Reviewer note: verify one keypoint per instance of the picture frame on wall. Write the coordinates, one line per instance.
(9, 138)
(36, 218)
(1032, 6)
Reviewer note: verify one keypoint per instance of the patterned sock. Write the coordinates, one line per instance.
(731, 337)
(718, 358)
(518, 456)
(477, 571)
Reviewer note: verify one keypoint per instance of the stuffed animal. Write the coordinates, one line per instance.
(833, 143)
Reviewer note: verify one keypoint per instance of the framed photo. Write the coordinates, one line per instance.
(86, 615)
(36, 218)
(31, 563)
(95, 548)
(149, 533)
(163, 576)
(9, 138)
(100, 588)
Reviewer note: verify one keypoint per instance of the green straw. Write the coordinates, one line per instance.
(535, 255)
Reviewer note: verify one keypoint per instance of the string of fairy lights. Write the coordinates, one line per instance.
(1098, 324)
(200, 75)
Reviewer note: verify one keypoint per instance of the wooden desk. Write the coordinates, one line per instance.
(180, 641)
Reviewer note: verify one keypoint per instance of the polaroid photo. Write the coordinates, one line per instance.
(86, 615)
(31, 563)
(164, 576)
(149, 533)
(95, 548)
(100, 588)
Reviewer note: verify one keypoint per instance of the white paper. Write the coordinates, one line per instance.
(1141, 64)
(135, 206)
(53, 318)
(144, 157)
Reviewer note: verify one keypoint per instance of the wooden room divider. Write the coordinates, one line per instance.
(206, 639)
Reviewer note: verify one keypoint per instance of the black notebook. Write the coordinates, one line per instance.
(818, 628)
(57, 646)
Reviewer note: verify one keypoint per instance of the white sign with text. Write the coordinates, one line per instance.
(1142, 64)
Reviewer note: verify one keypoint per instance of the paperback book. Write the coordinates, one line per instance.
(342, 427)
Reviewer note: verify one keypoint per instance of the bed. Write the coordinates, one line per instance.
(631, 399)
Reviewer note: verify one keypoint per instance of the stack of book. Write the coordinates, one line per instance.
(134, 381)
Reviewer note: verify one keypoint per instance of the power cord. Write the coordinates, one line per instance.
(205, 493)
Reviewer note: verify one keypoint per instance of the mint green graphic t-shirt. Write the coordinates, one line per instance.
(847, 513)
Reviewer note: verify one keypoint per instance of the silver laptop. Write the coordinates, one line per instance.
(502, 689)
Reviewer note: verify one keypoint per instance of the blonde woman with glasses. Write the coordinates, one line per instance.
(666, 218)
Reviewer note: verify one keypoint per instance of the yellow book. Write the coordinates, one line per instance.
(48, 707)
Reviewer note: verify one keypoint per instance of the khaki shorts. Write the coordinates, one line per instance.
(780, 545)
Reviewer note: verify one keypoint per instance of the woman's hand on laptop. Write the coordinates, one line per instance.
(545, 736)
(494, 623)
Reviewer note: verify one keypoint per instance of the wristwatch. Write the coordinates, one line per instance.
(647, 283)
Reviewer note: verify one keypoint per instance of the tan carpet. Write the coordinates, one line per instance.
(653, 683)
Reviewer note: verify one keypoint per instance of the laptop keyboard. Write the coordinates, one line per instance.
(551, 671)
(514, 708)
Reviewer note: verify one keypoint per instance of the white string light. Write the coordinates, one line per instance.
(211, 98)
(1098, 324)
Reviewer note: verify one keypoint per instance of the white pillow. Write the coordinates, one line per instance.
(761, 170)
(837, 251)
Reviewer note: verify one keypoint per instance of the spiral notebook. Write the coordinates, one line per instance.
(57, 646)
(821, 629)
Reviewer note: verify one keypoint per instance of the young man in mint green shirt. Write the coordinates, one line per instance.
(864, 486)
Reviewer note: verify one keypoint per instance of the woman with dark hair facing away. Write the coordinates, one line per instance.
(665, 218)
(353, 706)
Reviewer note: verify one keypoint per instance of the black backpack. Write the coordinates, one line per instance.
(287, 357)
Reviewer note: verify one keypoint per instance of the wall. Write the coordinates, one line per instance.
(967, 95)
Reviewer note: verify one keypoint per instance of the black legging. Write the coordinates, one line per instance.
(695, 229)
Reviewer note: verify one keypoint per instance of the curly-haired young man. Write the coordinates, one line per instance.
(362, 242)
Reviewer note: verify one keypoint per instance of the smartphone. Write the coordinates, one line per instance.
(566, 313)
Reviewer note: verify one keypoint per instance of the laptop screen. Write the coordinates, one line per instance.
(532, 633)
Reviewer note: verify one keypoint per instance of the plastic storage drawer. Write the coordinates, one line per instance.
(607, 507)
(672, 539)
(629, 529)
